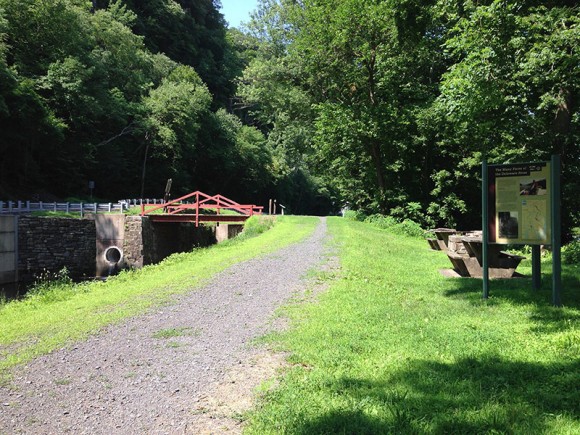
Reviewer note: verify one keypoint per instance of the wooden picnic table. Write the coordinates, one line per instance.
(467, 258)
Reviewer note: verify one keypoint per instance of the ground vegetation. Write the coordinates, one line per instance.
(393, 346)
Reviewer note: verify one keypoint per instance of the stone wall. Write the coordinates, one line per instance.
(49, 244)
(147, 242)
(133, 242)
(53, 243)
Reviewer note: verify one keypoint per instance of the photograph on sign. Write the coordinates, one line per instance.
(508, 224)
(533, 187)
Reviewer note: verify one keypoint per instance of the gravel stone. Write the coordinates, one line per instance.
(128, 380)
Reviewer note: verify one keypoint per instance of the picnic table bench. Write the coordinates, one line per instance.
(465, 253)
(441, 238)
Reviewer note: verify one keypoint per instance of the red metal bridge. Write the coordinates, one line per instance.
(199, 207)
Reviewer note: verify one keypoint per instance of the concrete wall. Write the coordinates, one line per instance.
(110, 229)
(227, 231)
(8, 249)
(53, 243)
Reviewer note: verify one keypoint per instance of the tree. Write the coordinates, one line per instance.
(191, 32)
(362, 65)
(174, 111)
(510, 92)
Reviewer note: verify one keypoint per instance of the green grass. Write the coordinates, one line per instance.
(394, 347)
(61, 314)
(135, 210)
(56, 214)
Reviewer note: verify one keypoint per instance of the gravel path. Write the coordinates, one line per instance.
(150, 374)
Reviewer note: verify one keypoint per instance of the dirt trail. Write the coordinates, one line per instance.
(187, 367)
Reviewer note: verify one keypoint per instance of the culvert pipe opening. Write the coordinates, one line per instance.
(113, 255)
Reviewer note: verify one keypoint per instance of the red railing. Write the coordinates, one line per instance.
(178, 210)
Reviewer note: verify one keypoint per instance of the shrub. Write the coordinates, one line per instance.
(571, 253)
(382, 221)
(406, 227)
(257, 225)
(354, 215)
(410, 228)
(412, 211)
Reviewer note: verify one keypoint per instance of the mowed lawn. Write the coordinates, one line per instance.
(394, 347)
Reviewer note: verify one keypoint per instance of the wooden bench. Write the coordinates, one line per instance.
(441, 240)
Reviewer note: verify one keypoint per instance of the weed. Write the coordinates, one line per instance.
(571, 253)
(171, 333)
(354, 215)
(405, 227)
(46, 282)
(256, 225)
(32, 420)
(174, 344)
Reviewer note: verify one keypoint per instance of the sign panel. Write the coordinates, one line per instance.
(519, 203)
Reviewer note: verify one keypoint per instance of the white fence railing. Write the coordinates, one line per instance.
(23, 207)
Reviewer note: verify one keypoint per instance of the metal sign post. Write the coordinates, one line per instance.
(536, 268)
(91, 188)
(556, 232)
(485, 228)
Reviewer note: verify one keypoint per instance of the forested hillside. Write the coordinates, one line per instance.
(384, 106)
(129, 94)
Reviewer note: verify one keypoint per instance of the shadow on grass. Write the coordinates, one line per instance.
(519, 291)
(483, 395)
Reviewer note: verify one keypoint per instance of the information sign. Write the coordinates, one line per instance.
(519, 205)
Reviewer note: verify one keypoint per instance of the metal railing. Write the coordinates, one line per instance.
(27, 207)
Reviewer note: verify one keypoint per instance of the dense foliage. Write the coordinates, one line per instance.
(384, 107)
(398, 101)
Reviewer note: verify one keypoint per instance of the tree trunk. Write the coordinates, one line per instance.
(378, 162)
(375, 147)
(563, 121)
(144, 170)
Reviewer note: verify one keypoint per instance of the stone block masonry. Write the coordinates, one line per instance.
(50, 244)
(147, 242)
(133, 242)
(53, 243)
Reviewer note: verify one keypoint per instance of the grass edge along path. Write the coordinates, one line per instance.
(394, 347)
(44, 322)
